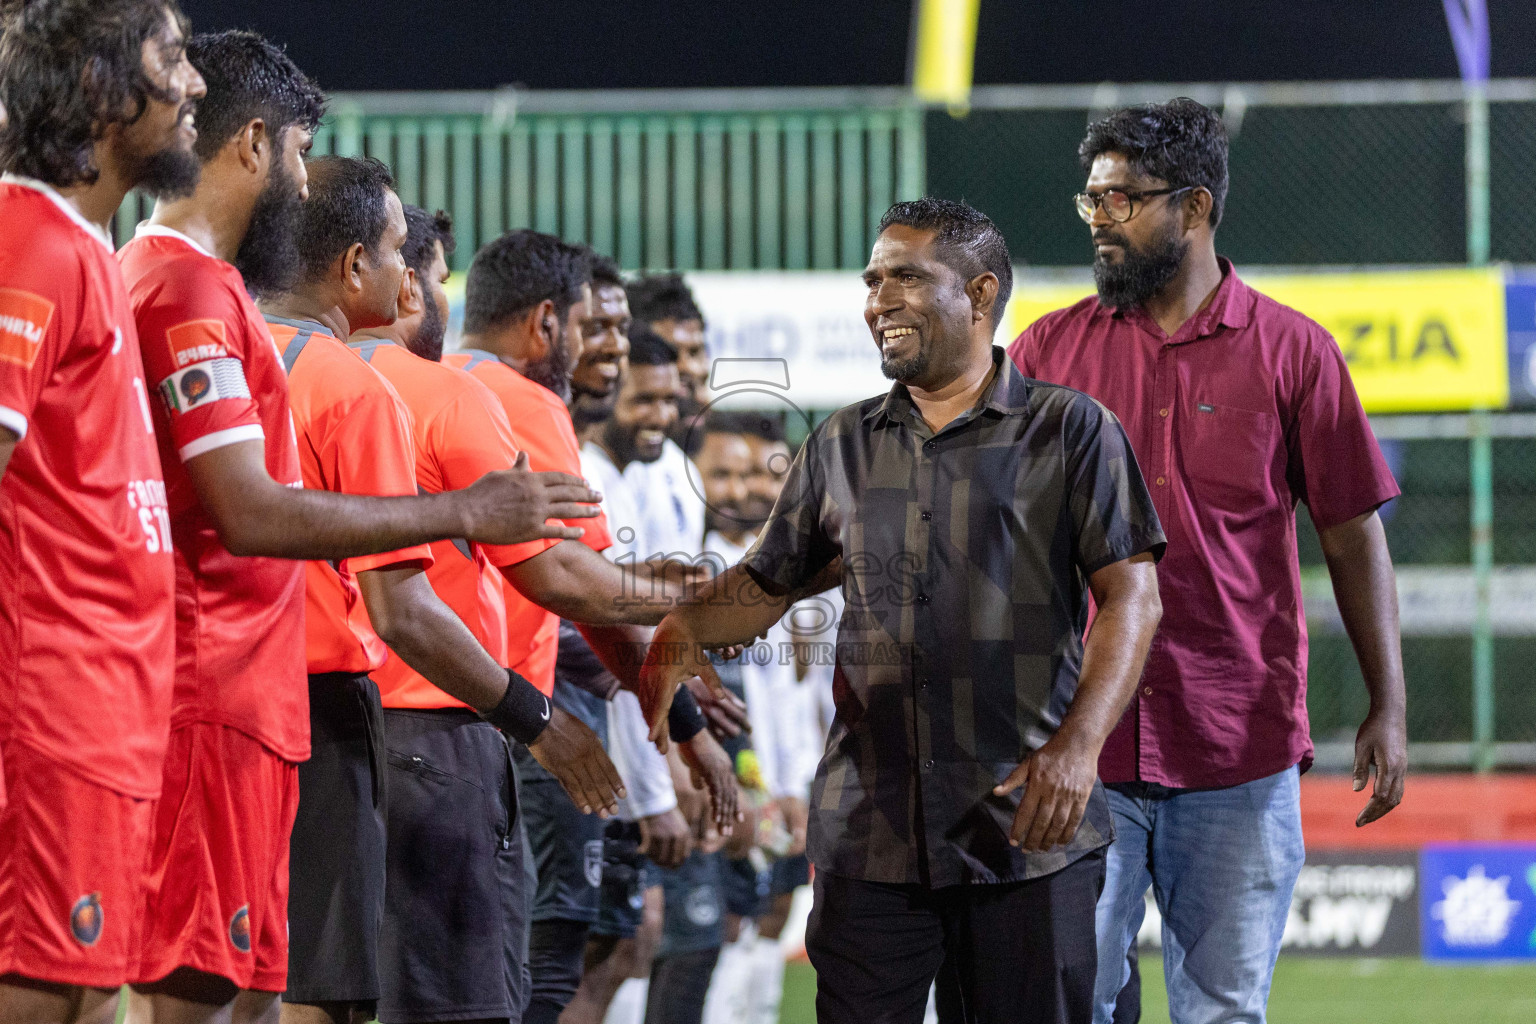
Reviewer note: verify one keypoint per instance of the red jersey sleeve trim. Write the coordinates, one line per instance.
(14, 421)
(221, 438)
(420, 555)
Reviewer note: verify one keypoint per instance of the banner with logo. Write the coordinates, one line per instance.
(1520, 312)
(1415, 341)
(1479, 901)
(1346, 903)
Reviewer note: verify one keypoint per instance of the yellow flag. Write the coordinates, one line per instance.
(945, 52)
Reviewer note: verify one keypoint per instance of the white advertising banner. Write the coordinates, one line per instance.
(813, 321)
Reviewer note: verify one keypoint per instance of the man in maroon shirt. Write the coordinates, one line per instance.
(1237, 408)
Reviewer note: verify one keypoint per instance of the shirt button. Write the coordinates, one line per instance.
(923, 683)
(928, 763)
(929, 445)
(1162, 412)
(1161, 481)
(1147, 691)
(927, 516)
(922, 598)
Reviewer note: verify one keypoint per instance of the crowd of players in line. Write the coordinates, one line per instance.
(290, 591)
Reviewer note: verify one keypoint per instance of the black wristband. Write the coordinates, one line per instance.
(686, 719)
(523, 712)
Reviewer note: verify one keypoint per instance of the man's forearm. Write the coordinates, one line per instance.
(1365, 586)
(577, 583)
(430, 638)
(1115, 653)
(313, 524)
(730, 609)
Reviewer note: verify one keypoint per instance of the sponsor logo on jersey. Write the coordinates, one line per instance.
(24, 318)
(592, 862)
(86, 918)
(195, 342)
(240, 929)
(201, 383)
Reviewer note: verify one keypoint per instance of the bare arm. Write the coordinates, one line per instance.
(8, 443)
(1365, 586)
(256, 515)
(1058, 778)
(577, 583)
(409, 617)
(730, 609)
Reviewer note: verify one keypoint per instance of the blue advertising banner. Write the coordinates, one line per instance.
(1479, 902)
(1520, 315)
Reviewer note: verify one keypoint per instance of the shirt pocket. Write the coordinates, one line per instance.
(1227, 456)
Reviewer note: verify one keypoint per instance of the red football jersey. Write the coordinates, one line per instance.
(239, 620)
(86, 633)
(355, 438)
(541, 426)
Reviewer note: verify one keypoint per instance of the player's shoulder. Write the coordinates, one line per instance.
(41, 236)
(1286, 323)
(172, 271)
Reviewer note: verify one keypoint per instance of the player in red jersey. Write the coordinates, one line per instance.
(100, 98)
(356, 434)
(216, 920)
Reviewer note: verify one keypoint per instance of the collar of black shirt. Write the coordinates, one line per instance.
(1006, 395)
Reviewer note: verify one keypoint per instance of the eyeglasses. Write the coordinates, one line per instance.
(1119, 204)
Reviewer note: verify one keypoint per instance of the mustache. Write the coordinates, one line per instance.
(1111, 238)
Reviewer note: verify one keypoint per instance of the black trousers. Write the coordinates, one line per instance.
(1018, 952)
(679, 984)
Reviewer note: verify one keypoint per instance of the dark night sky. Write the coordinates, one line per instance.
(584, 44)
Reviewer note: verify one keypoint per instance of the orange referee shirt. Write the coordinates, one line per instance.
(461, 434)
(541, 426)
(354, 437)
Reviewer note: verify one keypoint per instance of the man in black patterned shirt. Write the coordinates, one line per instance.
(969, 514)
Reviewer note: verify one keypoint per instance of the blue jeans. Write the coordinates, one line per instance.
(1221, 864)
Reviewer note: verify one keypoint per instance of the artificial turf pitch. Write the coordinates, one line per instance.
(1318, 991)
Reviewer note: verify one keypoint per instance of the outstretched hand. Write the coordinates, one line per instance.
(669, 662)
(712, 771)
(517, 505)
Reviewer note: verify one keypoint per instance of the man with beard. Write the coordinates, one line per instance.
(526, 299)
(956, 809)
(665, 304)
(456, 907)
(217, 909)
(100, 97)
(355, 437)
(1239, 408)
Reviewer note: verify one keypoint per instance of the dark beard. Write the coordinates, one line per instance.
(428, 342)
(268, 257)
(906, 370)
(551, 370)
(689, 428)
(586, 410)
(1141, 273)
(620, 444)
(169, 174)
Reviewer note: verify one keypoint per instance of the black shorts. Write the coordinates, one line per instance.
(744, 888)
(455, 938)
(567, 846)
(695, 910)
(627, 873)
(336, 853)
(789, 874)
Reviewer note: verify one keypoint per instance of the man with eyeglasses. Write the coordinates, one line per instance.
(1237, 408)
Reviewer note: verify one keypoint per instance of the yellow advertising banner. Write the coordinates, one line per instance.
(1415, 340)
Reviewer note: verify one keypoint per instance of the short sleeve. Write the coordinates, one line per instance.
(195, 344)
(1112, 513)
(792, 546)
(1334, 464)
(369, 451)
(549, 438)
(478, 440)
(40, 301)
